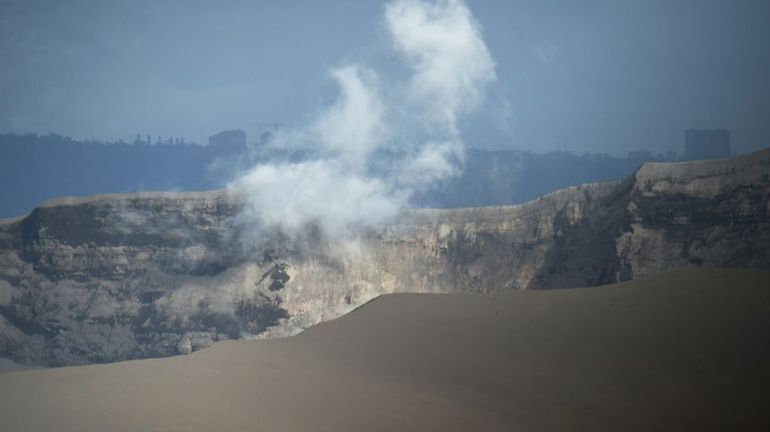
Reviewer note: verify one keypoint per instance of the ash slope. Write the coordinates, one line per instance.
(683, 350)
(118, 277)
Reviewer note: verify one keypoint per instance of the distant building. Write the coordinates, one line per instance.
(706, 144)
(229, 142)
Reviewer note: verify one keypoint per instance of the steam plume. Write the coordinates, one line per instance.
(336, 186)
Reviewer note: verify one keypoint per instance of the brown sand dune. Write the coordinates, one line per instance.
(685, 350)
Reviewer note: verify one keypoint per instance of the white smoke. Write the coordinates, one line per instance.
(354, 127)
(414, 123)
(445, 49)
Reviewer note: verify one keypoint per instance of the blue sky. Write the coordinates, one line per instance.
(595, 76)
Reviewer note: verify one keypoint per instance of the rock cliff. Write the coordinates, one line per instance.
(116, 277)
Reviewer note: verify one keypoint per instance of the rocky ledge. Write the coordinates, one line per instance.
(116, 277)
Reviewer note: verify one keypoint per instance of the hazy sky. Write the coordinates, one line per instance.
(593, 75)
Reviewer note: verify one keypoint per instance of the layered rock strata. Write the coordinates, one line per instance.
(117, 277)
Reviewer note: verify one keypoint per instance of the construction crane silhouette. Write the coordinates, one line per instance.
(273, 125)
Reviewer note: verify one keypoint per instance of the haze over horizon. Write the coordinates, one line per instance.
(475, 215)
(601, 76)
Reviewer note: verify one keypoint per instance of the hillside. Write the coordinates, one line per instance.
(682, 350)
(116, 277)
(72, 167)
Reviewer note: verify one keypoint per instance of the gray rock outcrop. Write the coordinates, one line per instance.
(117, 277)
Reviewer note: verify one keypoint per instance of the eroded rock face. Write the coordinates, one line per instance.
(707, 213)
(119, 277)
